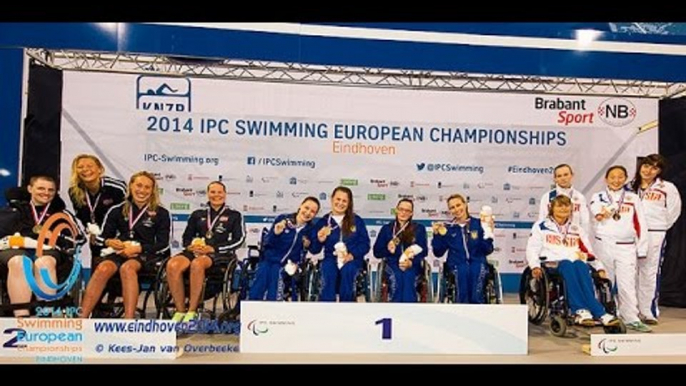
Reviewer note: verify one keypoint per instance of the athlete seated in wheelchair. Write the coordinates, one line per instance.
(402, 248)
(136, 236)
(343, 236)
(283, 249)
(468, 240)
(558, 277)
(491, 288)
(211, 237)
(40, 247)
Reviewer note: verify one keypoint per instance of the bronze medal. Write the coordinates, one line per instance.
(208, 235)
(616, 216)
(37, 228)
(396, 241)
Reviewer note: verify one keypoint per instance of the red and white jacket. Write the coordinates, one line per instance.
(630, 228)
(661, 205)
(557, 243)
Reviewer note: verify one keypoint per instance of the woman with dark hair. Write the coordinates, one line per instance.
(136, 233)
(343, 236)
(621, 239)
(468, 243)
(662, 207)
(560, 240)
(402, 244)
(283, 248)
(211, 234)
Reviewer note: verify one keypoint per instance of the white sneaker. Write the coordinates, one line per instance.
(609, 320)
(584, 317)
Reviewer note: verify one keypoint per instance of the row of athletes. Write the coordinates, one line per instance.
(628, 222)
(140, 232)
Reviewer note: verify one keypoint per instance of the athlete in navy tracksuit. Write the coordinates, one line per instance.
(342, 226)
(138, 231)
(285, 244)
(395, 240)
(467, 248)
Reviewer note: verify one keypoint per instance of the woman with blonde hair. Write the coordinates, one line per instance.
(137, 234)
(92, 194)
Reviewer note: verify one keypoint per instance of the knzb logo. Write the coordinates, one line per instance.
(163, 94)
(617, 111)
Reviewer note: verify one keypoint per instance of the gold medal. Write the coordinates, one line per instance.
(208, 235)
(442, 230)
(37, 228)
(396, 241)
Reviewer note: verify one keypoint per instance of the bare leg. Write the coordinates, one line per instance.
(50, 264)
(129, 282)
(175, 269)
(103, 272)
(198, 267)
(17, 286)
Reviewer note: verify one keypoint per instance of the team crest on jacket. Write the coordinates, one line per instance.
(353, 229)
(475, 235)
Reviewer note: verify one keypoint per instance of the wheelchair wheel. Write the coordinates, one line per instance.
(109, 307)
(426, 285)
(534, 293)
(312, 285)
(603, 289)
(381, 289)
(230, 287)
(164, 304)
(558, 325)
(363, 283)
(493, 291)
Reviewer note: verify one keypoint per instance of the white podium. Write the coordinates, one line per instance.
(399, 328)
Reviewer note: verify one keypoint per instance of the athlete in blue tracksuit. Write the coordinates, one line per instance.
(285, 243)
(467, 248)
(395, 240)
(343, 227)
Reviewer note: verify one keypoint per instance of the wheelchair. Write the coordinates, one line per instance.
(492, 287)
(68, 269)
(111, 304)
(312, 282)
(214, 288)
(423, 283)
(547, 297)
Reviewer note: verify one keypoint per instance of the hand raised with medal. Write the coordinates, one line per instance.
(323, 233)
(439, 228)
(392, 245)
(279, 227)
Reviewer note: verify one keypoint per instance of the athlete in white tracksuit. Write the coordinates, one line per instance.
(559, 240)
(662, 207)
(621, 238)
(563, 176)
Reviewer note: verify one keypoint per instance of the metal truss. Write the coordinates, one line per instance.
(268, 71)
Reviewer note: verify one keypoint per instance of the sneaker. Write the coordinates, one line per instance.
(650, 321)
(638, 326)
(190, 316)
(584, 318)
(609, 320)
(178, 317)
